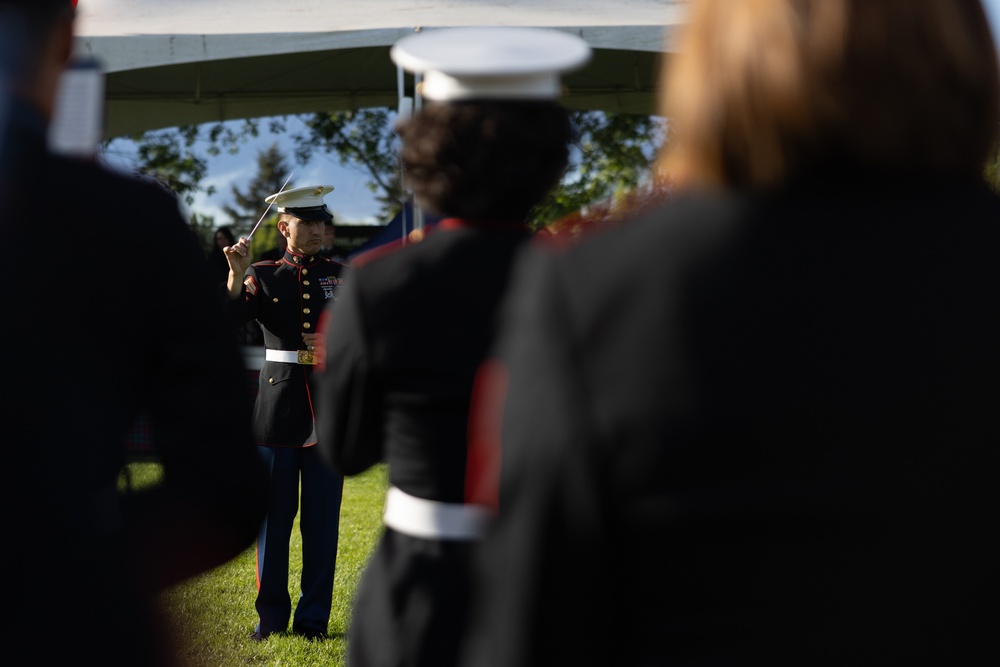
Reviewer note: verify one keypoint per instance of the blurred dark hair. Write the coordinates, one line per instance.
(24, 25)
(485, 160)
(760, 93)
(227, 232)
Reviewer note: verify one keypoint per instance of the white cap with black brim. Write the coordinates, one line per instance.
(305, 203)
(491, 63)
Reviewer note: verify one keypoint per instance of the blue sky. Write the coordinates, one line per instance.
(993, 9)
(350, 200)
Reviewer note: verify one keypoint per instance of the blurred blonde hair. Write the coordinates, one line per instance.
(763, 92)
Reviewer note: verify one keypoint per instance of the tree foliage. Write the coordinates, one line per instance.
(364, 139)
(176, 157)
(204, 228)
(248, 203)
(612, 156)
(167, 157)
(611, 162)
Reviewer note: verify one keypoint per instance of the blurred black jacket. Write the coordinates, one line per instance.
(90, 340)
(754, 430)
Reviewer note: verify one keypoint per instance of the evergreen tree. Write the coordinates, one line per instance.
(365, 139)
(248, 206)
(204, 228)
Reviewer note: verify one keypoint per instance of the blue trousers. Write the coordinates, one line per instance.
(292, 468)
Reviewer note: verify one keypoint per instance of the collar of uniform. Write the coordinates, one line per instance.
(461, 223)
(296, 259)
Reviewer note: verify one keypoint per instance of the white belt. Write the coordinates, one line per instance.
(291, 356)
(431, 519)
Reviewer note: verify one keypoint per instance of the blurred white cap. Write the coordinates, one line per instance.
(490, 62)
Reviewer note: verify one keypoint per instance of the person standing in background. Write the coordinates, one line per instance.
(248, 333)
(329, 249)
(138, 328)
(757, 425)
(222, 238)
(277, 252)
(412, 322)
(286, 297)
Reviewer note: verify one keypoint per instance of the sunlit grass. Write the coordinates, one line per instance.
(213, 614)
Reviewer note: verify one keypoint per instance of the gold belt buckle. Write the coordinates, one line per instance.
(307, 357)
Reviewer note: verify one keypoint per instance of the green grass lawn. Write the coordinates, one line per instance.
(213, 614)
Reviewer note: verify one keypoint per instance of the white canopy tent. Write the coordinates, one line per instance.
(177, 62)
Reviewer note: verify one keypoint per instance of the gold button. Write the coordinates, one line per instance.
(305, 272)
(306, 295)
(271, 380)
(306, 325)
(305, 282)
(275, 299)
(306, 311)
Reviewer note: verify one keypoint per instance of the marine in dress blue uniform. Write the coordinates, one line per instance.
(286, 297)
(405, 339)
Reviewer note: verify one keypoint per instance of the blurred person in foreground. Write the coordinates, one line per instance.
(413, 322)
(758, 425)
(90, 344)
(286, 297)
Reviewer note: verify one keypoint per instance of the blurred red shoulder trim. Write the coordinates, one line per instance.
(483, 458)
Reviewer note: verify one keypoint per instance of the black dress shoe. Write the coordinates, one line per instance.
(311, 633)
(257, 636)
